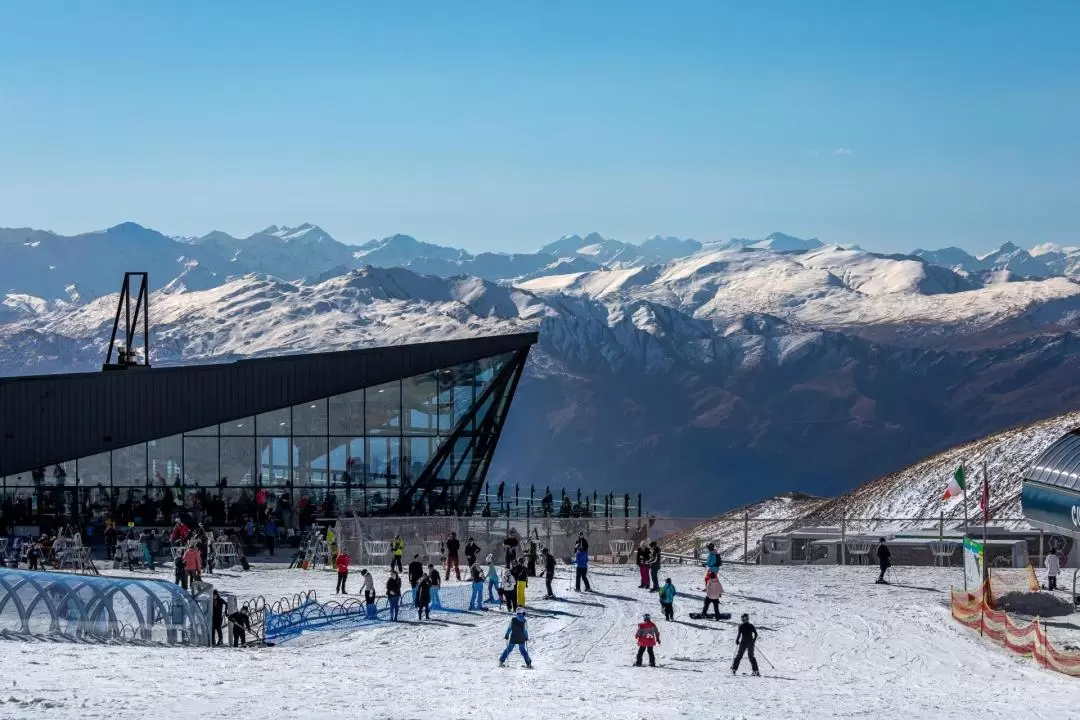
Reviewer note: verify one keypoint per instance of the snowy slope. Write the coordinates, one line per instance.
(831, 644)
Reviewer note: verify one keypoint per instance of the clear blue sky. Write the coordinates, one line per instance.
(502, 125)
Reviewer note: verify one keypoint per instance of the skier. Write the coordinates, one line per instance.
(648, 636)
(642, 560)
(521, 576)
(241, 623)
(423, 598)
(884, 562)
(667, 599)
(393, 594)
(342, 572)
(745, 640)
(436, 581)
(193, 566)
(218, 618)
(713, 591)
(549, 573)
(493, 581)
(712, 562)
(472, 551)
(476, 576)
(1053, 567)
(516, 635)
(369, 592)
(509, 590)
(582, 561)
(452, 547)
(416, 571)
(654, 565)
(397, 548)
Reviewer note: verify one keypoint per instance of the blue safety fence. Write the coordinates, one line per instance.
(289, 618)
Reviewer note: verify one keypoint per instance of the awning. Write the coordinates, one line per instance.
(1054, 507)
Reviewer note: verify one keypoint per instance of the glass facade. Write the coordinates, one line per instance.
(363, 451)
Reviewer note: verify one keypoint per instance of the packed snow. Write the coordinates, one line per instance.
(831, 644)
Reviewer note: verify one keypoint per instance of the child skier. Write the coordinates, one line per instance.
(745, 640)
(713, 591)
(516, 635)
(667, 599)
(423, 598)
(648, 636)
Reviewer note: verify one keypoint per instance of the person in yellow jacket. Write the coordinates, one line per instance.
(397, 548)
(331, 544)
(521, 575)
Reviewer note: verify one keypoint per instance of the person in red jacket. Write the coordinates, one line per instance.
(648, 636)
(342, 571)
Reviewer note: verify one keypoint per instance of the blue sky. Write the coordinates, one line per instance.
(500, 126)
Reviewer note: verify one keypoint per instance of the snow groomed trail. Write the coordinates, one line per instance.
(841, 646)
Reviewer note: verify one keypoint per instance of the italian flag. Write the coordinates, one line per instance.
(956, 483)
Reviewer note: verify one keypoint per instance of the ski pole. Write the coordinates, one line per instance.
(762, 656)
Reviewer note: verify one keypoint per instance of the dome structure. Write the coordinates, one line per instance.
(1059, 464)
(84, 608)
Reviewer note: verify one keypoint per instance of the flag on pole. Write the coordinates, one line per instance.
(957, 483)
(984, 501)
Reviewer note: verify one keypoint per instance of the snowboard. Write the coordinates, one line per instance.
(699, 616)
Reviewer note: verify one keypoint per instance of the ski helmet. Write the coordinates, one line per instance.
(520, 612)
(647, 616)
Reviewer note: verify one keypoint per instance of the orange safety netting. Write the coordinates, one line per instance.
(1028, 639)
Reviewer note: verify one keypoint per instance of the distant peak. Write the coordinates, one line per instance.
(127, 227)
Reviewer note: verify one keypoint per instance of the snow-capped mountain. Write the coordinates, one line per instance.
(914, 492)
(708, 380)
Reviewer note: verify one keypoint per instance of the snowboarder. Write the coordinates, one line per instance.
(521, 577)
(416, 571)
(549, 573)
(369, 592)
(218, 618)
(654, 565)
(241, 623)
(516, 635)
(452, 547)
(393, 594)
(745, 640)
(397, 549)
(472, 551)
(436, 581)
(1053, 567)
(476, 600)
(642, 561)
(342, 572)
(884, 561)
(582, 561)
(648, 636)
(423, 598)
(493, 581)
(667, 599)
(713, 591)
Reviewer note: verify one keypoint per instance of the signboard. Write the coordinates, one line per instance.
(973, 564)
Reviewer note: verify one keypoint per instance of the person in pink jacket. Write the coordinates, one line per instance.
(713, 591)
(193, 564)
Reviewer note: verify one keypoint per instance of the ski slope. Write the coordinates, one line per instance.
(841, 646)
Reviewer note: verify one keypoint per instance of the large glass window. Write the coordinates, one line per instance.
(347, 462)
(95, 470)
(166, 459)
(456, 388)
(347, 414)
(201, 461)
(238, 461)
(310, 418)
(420, 402)
(274, 461)
(129, 466)
(310, 461)
(275, 422)
(383, 409)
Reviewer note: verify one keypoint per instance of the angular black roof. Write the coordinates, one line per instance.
(47, 419)
(1059, 464)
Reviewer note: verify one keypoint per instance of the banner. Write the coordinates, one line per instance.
(973, 563)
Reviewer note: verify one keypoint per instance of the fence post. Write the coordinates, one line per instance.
(528, 518)
(843, 535)
(746, 537)
(639, 505)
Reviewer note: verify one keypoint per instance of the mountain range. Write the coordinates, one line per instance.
(705, 375)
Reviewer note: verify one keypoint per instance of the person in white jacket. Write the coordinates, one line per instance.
(369, 592)
(1053, 568)
(493, 588)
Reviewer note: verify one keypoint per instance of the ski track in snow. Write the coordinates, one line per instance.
(842, 648)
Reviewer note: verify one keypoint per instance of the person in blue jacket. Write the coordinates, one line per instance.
(667, 599)
(712, 562)
(517, 634)
(493, 581)
(582, 560)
